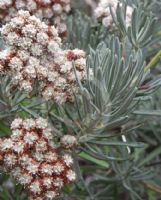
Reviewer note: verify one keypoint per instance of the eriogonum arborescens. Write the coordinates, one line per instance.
(35, 54)
(32, 158)
(68, 141)
(51, 11)
(103, 13)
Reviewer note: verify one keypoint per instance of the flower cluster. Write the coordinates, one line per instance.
(68, 142)
(51, 11)
(32, 158)
(35, 54)
(103, 13)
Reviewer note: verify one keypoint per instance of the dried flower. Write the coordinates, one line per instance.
(103, 13)
(33, 162)
(35, 54)
(68, 142)
(49, 11)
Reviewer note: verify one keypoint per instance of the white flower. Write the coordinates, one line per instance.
(35, 187)
(48, 13)
(17, 22)
(29, 124)
(68, 159)
(30, 71)
(29, 30)
(40, 58)
(53, 46)
(39, 156)
(12, 38)
(48, 93)
(25, 160)
(30, 138)
(41, 146)
(25, 179)
(10, 159)
(7, 144)
(47, 169)
(41, 72)
(19, 4)
(32, 168)
(51, 156)
(31, 5)
(79, 53)
(33, 61)
(71, 176)
(103, 12)
(19, 147)
(58, 182)
(25, 43)
(50, 195)
(58, 168)
(42, 38)
(17, 123)
(57, 8)
(16, 134)
(41, 123)
(68, 141)
(47, 133)
(5, 3)
(37, 50)
(47, 182)
(26, 85)
(16, 63)
(23, 55)
(66, 67)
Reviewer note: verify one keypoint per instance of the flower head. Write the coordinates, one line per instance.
(68, 142)
(35, 56)
(52, 12)
(29, 157)
(103, 13)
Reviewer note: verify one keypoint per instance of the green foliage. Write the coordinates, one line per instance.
(115, 115)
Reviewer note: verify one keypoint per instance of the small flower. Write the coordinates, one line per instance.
(32, 167)
(51, 156)
(19, 147)
(47, 169)
(41, 145)
(58, 182)
(25, 160)
(41, 123)
(26, 85)
(25, 179)
(30, 138)
(58, 168)
(102, 12)
(50, 195)
(16, 123)
(10, 159)
(68, 141)
(15, 63)
(71, 176)
(47, 133)
(68, 160)
(7, 144)
(16, 134)
(47, 182)
(35, 187)
(39, 156)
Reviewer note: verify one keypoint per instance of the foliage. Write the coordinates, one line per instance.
(116, 112)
